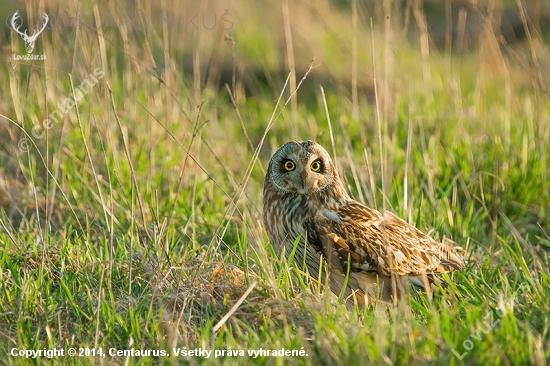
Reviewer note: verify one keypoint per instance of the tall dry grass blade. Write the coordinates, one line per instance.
(379, 119)
(291, 67)
(233, 308)
(332, 145)
(422, 25)
(354, 97)
(101, 41)
(408, 154)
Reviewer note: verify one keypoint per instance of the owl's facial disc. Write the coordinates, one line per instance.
(302, 167)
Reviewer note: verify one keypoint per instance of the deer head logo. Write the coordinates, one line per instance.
(29, 40)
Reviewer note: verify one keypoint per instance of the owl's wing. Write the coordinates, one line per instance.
(381, 243)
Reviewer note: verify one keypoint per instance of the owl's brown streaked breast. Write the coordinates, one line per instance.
(283, 217)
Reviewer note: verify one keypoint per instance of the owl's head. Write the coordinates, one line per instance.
(302, 167)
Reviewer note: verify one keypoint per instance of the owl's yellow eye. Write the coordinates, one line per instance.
(289, 165)
(316, 166)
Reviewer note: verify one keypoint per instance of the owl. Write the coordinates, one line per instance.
(368, 255)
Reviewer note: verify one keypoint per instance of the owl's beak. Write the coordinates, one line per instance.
(301, 183)
(306, 183)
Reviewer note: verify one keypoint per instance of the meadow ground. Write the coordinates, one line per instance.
(132, 219)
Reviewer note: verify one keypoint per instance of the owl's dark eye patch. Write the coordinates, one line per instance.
(316, 166)
(289, 165)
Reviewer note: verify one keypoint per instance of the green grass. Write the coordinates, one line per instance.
(127, 241)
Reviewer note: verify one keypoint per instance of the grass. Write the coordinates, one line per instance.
(135, 223)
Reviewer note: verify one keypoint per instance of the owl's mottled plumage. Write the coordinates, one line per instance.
(304, 197)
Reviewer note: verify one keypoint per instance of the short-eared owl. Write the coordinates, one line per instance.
(305, 198)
